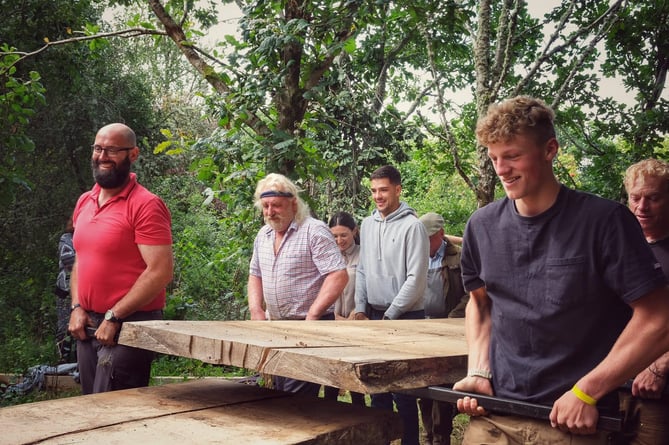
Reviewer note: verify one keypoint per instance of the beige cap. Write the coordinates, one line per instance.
(432, 222)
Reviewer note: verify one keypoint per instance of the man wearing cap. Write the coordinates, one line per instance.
(297, 271)
(445, 296)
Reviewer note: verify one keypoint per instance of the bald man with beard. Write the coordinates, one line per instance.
(123, 241)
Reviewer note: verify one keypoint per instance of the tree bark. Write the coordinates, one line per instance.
(485, 188)
(175, 32)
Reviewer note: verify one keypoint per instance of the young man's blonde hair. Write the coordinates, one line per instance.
(648, 168)
(520, 115)
(275, 182)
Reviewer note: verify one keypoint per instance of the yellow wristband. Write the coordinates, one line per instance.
(583, 396)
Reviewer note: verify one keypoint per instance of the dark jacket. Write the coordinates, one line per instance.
(452, 297)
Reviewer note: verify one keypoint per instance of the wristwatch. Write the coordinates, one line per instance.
(109, 316)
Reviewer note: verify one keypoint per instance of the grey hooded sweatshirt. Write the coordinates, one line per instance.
(394, 255)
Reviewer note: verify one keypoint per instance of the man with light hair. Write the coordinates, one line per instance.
(297, 271)
(567, 301)
(647, 186)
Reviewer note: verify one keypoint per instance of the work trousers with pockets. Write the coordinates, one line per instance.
(111, 368)
(515, 430)
(645, 421)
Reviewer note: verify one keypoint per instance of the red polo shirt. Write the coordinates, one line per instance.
(106, 239)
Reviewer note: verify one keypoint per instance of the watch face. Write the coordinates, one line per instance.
(109, 315)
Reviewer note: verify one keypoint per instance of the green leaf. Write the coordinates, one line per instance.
(162, 147)
(349, 46)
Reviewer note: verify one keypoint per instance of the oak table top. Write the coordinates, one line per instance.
(369, 356)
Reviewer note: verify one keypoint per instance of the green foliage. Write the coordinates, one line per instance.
(27, 326)
(82, 94)
(637, 52)
(212, 251)
(598, 169)
(431, 185)
(166, 365)
(19, 96)
(35, 396)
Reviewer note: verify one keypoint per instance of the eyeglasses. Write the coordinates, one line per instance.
(112, 152)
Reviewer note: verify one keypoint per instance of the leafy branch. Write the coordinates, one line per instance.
(125, 33)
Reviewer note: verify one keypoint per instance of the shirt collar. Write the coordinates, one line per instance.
(439, 254)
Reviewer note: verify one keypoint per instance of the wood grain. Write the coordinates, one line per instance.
(363, 356)
(196, 412)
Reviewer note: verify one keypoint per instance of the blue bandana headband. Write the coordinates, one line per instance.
(273, 193)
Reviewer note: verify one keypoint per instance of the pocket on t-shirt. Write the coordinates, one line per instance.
(565, 280)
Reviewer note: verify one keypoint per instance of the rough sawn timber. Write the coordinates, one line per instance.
(196, 412)
(364, 356)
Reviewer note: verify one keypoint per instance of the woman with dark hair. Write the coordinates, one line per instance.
(345, 231)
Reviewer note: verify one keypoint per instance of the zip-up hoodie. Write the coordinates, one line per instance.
(394, 254)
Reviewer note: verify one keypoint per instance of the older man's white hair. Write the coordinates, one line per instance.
(275, 184)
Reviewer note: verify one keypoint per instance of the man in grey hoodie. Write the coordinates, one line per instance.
(392, 274)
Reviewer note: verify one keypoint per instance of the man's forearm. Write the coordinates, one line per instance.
(415, 283)
(255, 297)
(661, 365)
(644, 339)
(409, 294)
(74, 290)
(148, 285)
(478, 326)
(332, 287)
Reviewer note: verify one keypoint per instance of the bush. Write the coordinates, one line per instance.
(212, 249)
(28, 318)
(166, 365)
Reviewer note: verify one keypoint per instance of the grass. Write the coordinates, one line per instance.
(166, 365)
(37, 396)
(459, 422)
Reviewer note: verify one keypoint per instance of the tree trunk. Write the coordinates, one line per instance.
(485, 187)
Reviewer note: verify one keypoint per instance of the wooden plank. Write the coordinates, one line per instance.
(363, 356)
(371, 371)
(97, 410)
(201, 411)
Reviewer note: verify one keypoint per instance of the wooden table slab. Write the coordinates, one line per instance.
(196, 412)
(364, 356)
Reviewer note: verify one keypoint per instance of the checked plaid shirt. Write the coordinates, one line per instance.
(292, 279)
